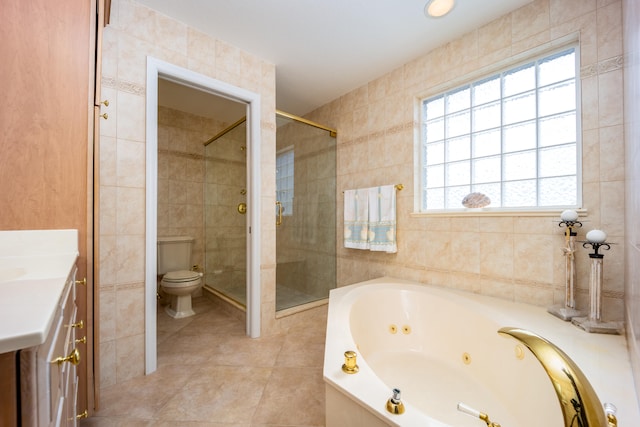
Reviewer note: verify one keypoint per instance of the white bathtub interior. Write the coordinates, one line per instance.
(458, 358)
(441, 347)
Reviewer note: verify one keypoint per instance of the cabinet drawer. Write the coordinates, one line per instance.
(61, 347)
(46, 379)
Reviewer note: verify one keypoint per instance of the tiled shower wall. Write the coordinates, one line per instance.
(134, 33)
(181, 175)
(517, 256)
(631, 13)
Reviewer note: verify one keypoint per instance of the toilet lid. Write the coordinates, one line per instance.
(180, 276)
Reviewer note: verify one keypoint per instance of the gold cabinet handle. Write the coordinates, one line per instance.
(105, 102)
(280, 208)
(84, 414)
(242, 208)
(82, 282)
(82, 340)
(104, 116)
(73, 358)
(78, 325)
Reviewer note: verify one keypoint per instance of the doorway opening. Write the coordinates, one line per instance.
(206, 86)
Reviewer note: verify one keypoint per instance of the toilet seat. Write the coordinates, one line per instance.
(181, 276)
(179, 285)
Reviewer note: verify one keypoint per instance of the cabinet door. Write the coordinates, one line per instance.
(8, 389)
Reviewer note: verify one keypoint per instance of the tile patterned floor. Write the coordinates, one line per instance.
(211, 374)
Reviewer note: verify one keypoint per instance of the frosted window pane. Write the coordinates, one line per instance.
(557, 161)
(458, 100)
(512, 136)
(492, 191)
(458, 124)
(435, 198)
(557, 98)
(434, 108)
(519, 193)
(557, 68)
(435, 176)
(519, 80)
(434, 130)
(458, 173)
(435, 153)
(520, 137)
(486, 91)
(458, 149)
(486, 116)
(558, 130)
(519, 166)
(486, 170)
(558, 191)
(455, 196)
(519, 108)
(486, 143)
(285, 179)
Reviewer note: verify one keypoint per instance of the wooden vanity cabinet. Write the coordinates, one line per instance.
(48, 80)
(48, 385)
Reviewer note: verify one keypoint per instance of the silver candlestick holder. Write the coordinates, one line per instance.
(596, 239)
(567, 311)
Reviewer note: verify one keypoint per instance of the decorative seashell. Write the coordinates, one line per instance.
(476, 200)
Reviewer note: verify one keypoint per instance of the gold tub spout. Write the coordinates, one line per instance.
(578, 400)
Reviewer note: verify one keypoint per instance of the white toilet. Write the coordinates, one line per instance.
(178, 281)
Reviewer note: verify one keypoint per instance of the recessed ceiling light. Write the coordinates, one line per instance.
(438, 8)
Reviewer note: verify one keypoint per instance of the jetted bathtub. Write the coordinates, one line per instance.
(441, 347)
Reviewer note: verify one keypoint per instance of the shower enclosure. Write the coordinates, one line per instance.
(304, 214)
(225, 189)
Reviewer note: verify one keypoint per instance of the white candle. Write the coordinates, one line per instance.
(596, 236)
(569, 215)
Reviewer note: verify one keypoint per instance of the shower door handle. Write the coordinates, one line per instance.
(279, 219)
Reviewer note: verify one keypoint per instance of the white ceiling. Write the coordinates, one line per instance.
(323, 49)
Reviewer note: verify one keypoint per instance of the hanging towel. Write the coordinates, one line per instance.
(356, 219)
(382, 219)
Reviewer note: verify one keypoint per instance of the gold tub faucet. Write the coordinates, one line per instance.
(578, 400)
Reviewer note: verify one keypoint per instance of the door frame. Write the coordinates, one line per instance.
(156, 69)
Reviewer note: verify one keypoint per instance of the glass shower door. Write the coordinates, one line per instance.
(305, 212)
(225, 218)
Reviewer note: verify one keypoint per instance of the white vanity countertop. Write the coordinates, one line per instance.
(34, 266)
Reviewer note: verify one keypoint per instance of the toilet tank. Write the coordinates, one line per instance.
(174, 253)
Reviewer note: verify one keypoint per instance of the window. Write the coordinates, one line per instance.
(284, 180)
(512, 136)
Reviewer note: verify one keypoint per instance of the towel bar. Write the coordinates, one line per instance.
(398, 187)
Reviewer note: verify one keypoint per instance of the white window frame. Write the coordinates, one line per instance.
(479, 77)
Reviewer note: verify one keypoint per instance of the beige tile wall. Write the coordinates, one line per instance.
(514, 257)
(134, 33)
(181, 175)
(631, 13)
